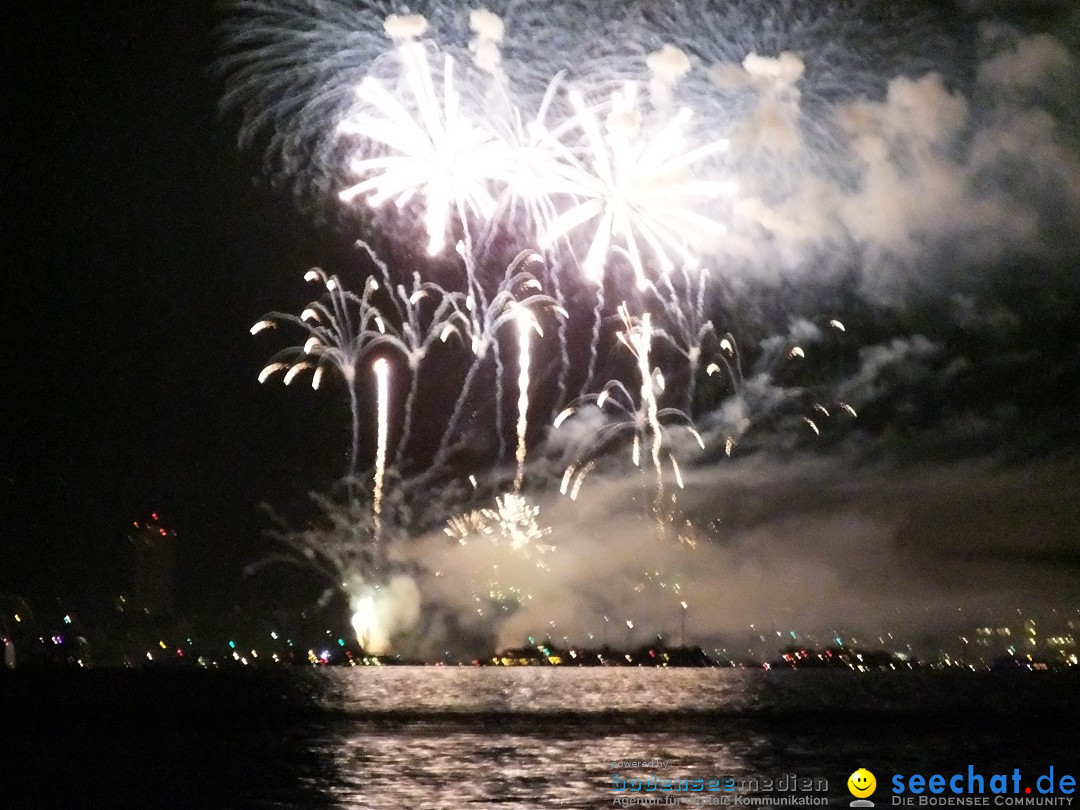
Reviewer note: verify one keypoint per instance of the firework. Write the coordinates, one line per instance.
(643, 418)
(639, 187)
(430, 148)
(526, 323)
(382, 377)
(687, 329)
(343, 327)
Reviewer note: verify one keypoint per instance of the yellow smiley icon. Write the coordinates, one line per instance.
(861, 783)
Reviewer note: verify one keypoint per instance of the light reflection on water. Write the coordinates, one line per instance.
(534, 737)
(534, 689)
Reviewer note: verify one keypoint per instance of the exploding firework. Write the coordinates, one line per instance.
(502, 549)
(644, 419)
(518, 293)
(430, 147)
(641, 189)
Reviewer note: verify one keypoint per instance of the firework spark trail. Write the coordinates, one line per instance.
(382, 378)
(413, 335)
(526, 322)
(528, 177)
(292, 67)
(564, 348)
(613, 177)
(516, 519)
(512, 534)
(732, 360)
(778, 391)
(526, 202)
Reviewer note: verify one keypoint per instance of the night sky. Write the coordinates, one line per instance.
(142, 244)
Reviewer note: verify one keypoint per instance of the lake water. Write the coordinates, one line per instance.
(432, 737)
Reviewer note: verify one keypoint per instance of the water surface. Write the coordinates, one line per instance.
(434, 737)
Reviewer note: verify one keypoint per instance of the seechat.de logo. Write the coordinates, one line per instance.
(861, 784)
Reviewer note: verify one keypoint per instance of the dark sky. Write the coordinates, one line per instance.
(142, 244)
(140, 249)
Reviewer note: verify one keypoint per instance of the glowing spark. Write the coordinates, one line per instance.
(565, 414)
(292, 372)
(516, 519)
(365, 621)
(566, 479)
(697, 436)
(525, 324)
(405, 26)
(382, 377)
(643, 343)
(271, 369)
(678, 472)
(343, 327)
(835, 324)
(465, 527)
(796, 352)
(261, 325)
(588, 468)
(812, 425)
